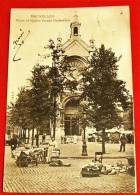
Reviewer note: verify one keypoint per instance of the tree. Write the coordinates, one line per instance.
(106, 94)
(20, 110)
(39, 97)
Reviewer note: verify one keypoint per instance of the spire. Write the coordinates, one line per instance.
(59, 39)
(75, 26)
(75, 18)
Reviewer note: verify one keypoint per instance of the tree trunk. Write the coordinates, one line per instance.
(28, 135)
(32, 136)
(54, 119)
(37, 139)
(103, 141)
(24, 136)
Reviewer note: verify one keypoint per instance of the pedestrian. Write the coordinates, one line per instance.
(43, 138)
(75, 139)
(123, 141)
(95, 136)
(67, 140)
(13, 144)
(37, 139)
(52, 147)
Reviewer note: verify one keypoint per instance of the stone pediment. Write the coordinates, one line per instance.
(76, 47)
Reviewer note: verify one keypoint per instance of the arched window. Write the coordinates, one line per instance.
(75, 31)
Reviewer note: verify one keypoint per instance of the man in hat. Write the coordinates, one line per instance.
(13, 143)
(123, 141)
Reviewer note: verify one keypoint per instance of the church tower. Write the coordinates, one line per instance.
(75, 27)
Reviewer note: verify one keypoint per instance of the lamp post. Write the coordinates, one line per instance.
(84, 146)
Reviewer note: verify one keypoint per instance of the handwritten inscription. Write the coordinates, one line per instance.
(19, 42)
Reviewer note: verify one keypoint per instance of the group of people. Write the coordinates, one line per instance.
(53, 145)
(66, 140)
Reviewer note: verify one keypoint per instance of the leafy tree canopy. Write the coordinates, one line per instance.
(106, 94)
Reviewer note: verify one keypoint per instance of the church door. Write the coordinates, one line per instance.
(71, 120)
(71, 125)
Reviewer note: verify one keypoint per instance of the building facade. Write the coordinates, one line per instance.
(77, 52)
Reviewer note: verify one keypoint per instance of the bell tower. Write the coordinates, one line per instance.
(75, 27)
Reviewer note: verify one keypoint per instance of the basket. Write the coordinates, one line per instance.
(131, 161)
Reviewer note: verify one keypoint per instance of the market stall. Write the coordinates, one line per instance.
(25, 156)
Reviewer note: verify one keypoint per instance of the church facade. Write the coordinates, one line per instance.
(77, 52)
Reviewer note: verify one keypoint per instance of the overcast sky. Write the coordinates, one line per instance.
(107, 25)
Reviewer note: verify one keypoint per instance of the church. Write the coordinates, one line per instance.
(77, 52)
(67, 122)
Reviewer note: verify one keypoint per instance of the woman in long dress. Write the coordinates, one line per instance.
(75, 139)
(52, 146)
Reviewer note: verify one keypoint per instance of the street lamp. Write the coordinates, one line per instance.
(84, 146)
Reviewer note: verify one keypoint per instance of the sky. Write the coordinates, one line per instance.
(34, 27)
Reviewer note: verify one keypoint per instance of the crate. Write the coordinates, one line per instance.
(55, 153)
(89, 171)
(131, 161)
(98, 156)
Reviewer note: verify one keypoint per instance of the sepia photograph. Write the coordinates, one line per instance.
(69, 116)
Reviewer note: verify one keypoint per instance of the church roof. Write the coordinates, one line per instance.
(70, 42)
(76, 47)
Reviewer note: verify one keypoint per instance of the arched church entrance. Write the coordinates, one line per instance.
(71, 117)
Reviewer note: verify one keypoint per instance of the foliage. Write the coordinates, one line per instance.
(106, 94)
(40, 95)
(39, 103)
(20, 110)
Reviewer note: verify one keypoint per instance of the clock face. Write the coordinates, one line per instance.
(75, 68)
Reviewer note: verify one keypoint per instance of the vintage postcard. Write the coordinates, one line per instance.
(69, 118)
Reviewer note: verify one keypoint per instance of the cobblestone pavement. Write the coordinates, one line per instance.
(62, 179)
(75, 150)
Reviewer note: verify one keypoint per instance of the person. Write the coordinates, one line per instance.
(13, 144)
(52, 146)
(43, 138)
(123, 141)
(75, 139)
(37, 139)
(95, 136)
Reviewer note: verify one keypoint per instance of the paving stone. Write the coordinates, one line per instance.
(63, 179)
